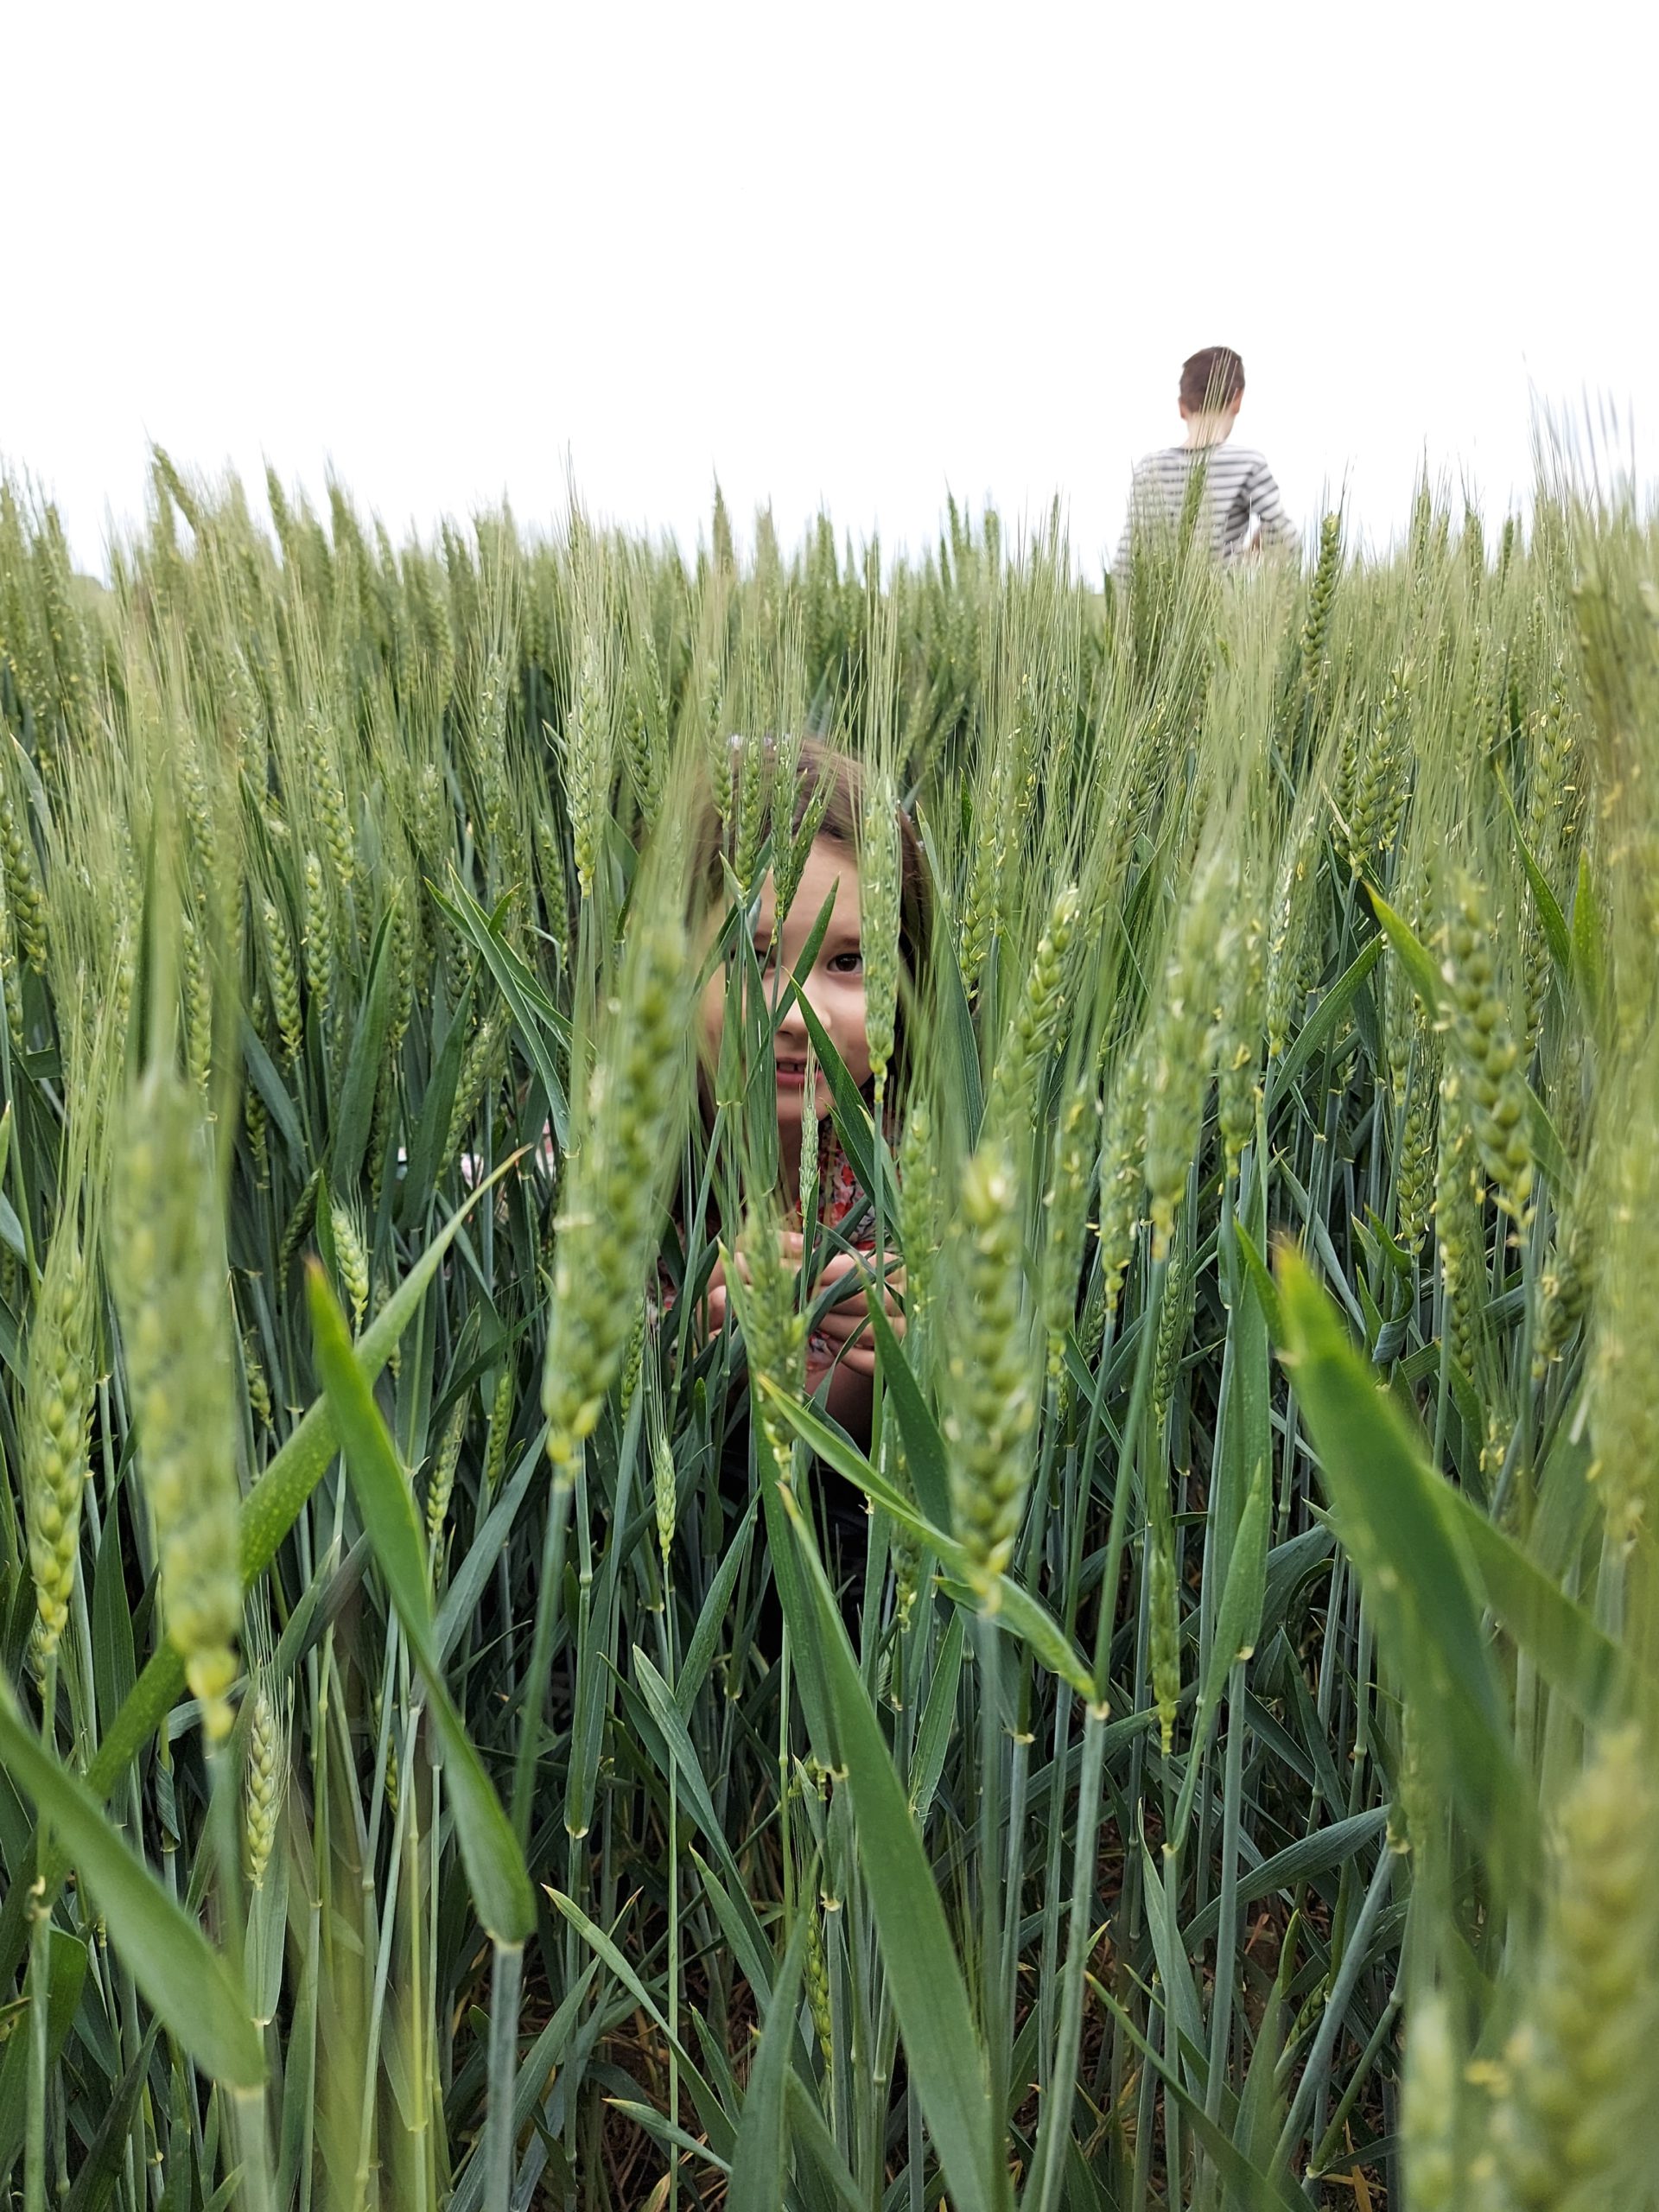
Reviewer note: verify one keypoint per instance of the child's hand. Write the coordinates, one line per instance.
(844, 1327)
(715, 1303)
(840, 1340)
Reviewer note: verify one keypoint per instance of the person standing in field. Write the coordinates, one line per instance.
(1235, 484)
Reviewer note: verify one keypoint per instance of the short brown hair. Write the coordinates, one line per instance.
(1211, 378)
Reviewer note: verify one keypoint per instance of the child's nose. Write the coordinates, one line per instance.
(791, 1022)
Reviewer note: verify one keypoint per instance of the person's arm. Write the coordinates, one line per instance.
(1275, 530)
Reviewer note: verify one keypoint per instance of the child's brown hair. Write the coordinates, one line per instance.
(1211, 378)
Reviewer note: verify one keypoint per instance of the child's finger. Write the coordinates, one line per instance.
(865, 1264)
(847, 1269)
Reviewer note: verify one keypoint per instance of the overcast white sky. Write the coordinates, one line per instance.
(859, 254)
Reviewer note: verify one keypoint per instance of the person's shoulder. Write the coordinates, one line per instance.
(1249, 457)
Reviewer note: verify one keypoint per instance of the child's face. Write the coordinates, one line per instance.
(833, 985)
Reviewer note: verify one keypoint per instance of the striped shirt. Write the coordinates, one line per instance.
(1237, 484)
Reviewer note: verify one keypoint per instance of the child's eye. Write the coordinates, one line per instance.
(847, 963)
(764, 953)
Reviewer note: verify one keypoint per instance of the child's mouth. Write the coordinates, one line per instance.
(792, 1074)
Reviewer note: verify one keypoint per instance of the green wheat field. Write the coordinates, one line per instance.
(475, 1731)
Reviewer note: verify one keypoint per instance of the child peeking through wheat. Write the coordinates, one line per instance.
(847, 871)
